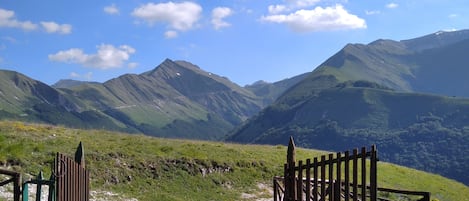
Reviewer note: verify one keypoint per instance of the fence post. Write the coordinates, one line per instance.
(290, 190)
(17, 187)
(39, 178)
(275, 189)
(80, 155)
(51, 188)
(373, 174)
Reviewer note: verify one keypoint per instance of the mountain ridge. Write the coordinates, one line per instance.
(412, 102)
(175, 99)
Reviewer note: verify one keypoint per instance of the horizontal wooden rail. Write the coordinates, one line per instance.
(15, 179)
(425, 195)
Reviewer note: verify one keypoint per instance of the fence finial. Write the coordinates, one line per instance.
(80, 155)
(291, 151)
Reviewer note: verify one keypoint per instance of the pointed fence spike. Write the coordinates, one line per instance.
(80, 155)
(291, 151)
(40, 176)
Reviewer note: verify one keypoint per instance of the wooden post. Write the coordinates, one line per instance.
(308, 180)
(331, 177)
(323, 177)
(363, 164)
(80, 155)
(290, 190)
(299, 180)
(291, 151)
(17, 186)
(355, 175)
(315, 181)
(337, 186)
(373, 174)
(347, 176)
(275, 189)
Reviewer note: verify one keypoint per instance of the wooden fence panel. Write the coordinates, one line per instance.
(72, 177)
(328, 182)
(343, 176)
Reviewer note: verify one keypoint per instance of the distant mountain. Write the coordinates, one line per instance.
(436, 40)
(22, 98)
(435, 63)
(271, 91)
(68, 83)
(402, 96)
(176, 99)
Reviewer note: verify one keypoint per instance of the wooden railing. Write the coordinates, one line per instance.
(15, 178)
(334, 177)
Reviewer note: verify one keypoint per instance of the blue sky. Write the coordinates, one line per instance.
(244, 40)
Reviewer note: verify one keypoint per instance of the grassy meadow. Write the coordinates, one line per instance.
(148, 168)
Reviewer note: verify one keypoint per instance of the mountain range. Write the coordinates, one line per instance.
(409, 97)
(176, 99)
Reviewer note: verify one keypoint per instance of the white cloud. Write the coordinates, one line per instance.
(372, 12)
(318, 19)
(132, 65)
(9, 39)
(52, 27)
(392, 5)
(275, 9)
(302, 3)
(180, 16)
(107, 56)
(291, 5)
(74, 75)
(218, 14)
(453, 15)
(171, 34)
(88, 76)
(111, 10)
(7, 19)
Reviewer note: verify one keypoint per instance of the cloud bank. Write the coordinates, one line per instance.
(8, 19)
(218, 15)
(107, 56)
(318, 19)
(179, 16)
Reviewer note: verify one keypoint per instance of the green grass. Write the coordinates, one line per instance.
(146, 168)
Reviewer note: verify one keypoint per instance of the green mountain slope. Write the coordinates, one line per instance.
(146, 168)
(22, 98)
(271, 91)
(176, 99)
(374, 93)
(435, 63)
(68, 83)
(422, 131)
